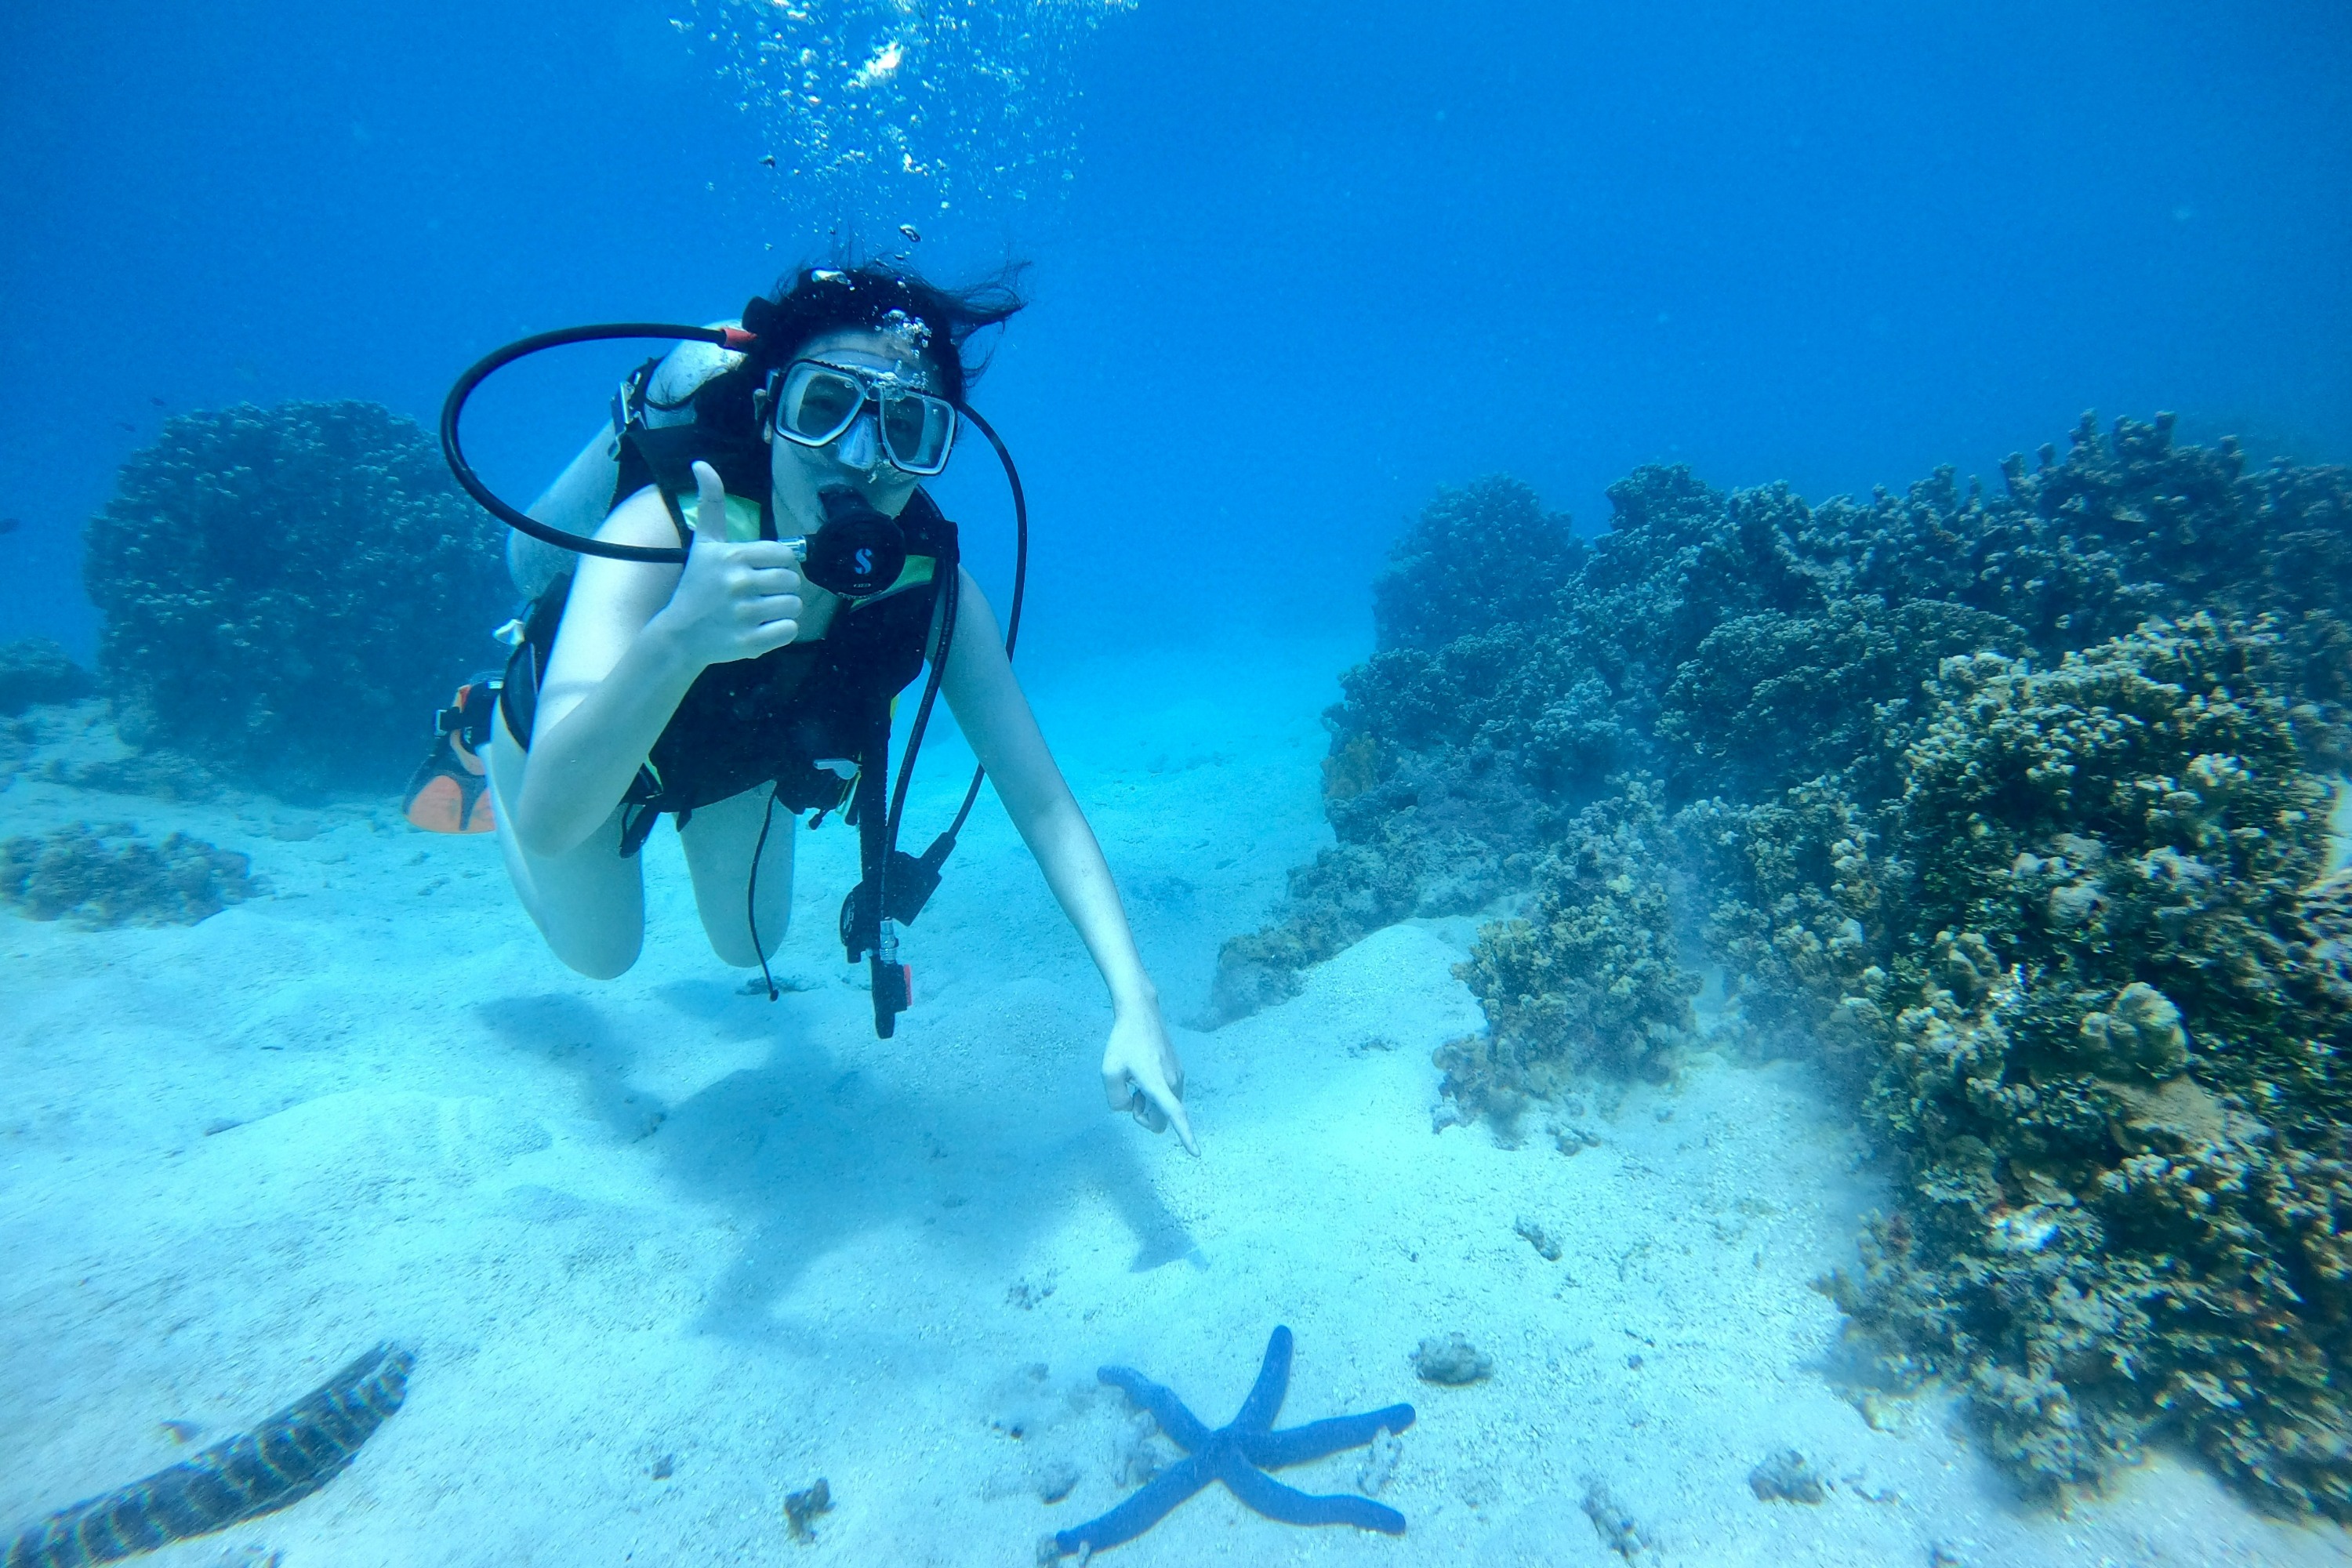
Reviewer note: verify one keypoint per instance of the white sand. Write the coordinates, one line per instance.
(662, 1219)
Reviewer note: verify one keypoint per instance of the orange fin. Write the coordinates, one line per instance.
(448, 793)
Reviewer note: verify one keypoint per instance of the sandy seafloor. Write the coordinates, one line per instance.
(666, 1251)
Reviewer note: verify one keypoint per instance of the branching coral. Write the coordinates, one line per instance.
(284, 590)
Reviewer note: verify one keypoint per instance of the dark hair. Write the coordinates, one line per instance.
(819, 299)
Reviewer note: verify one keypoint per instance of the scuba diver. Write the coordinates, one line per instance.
(781, 461)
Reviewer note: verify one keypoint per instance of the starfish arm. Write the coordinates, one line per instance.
(1180, 1424)
(1271, 1498)
(1257, 1411)
(1297, 1445)
(1138, 1513)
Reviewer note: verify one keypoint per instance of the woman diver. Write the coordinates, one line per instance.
(737, 683)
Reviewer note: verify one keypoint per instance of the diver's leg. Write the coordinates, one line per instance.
(589, 903)
(718, 840)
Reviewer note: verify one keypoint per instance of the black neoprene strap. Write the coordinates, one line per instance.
(870, 805)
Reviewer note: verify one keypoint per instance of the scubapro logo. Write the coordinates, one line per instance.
(865, 559)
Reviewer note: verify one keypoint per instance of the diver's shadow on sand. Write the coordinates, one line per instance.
(724, 1007)
(817, 1155)
(811, 1152)
(1161, 1237)
(571, 1034)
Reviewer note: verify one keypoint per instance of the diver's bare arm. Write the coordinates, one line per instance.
(635, 637)
(611, 684)
(988, 703)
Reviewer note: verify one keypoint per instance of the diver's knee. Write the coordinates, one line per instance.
(733, 945)
(601, 959)
(605, 950)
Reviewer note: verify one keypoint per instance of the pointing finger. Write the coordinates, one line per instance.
(1174, 1110)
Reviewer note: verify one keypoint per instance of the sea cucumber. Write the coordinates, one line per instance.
(282, 1460)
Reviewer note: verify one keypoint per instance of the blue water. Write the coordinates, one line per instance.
(1315, 261)
(1292, 268)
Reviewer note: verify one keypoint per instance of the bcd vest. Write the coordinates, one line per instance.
(808, 718)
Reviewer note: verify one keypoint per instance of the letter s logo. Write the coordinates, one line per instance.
(865, 559)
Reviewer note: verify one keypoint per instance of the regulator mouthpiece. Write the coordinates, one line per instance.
(858, 551)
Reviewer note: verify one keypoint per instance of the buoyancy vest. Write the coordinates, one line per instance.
(812, 719)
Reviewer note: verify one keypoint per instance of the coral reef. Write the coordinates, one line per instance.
(1479, 557)
(77, 744)
(1768, 700)
(36, 669)
(286, 591)
(2108, 1051)
(1344, 894)
(110, 877)
(2009, 809)
(164, 774)
(1587, 980)
(1734, 645)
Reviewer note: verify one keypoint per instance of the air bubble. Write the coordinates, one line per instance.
(882, 100)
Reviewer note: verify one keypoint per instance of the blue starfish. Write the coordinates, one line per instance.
(1237, 1454)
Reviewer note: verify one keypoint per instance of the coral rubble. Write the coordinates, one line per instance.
(2008, 808)
(1452, 1360)
(801, 1509)
(1785, 1476)
(283, 589)
(1617, 1528)
(110, 876)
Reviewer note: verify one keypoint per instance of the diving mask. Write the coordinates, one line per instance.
(812, 402)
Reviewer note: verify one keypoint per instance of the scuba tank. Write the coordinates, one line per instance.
(657, 395)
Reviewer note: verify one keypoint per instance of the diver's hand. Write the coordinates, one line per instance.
(733, 601)
(1141, 1075)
